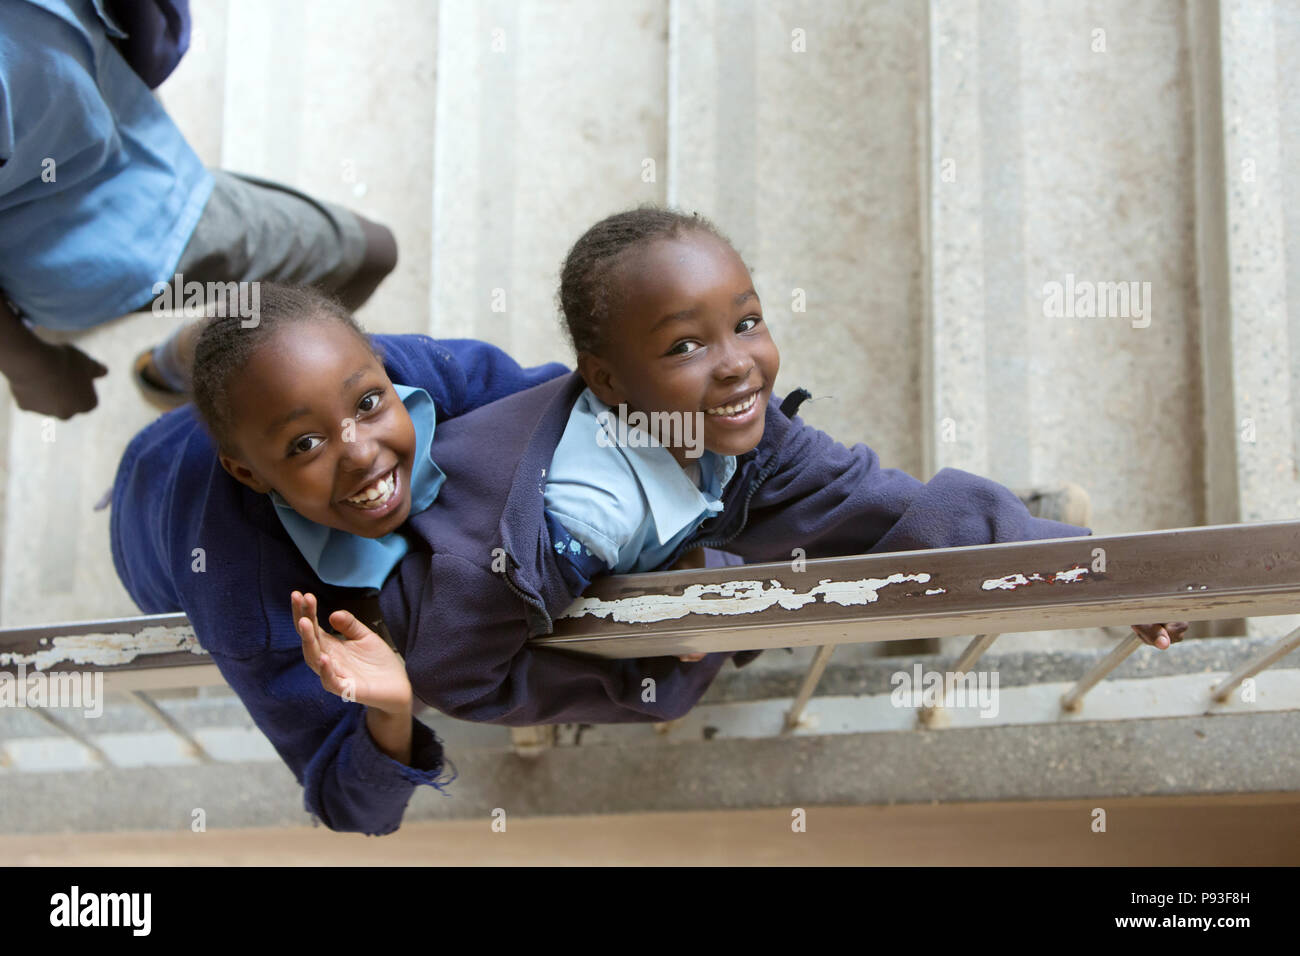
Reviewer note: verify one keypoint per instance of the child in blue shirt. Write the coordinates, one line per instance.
(220, 512)
(599, 473)
(685, 336)
(665, 320)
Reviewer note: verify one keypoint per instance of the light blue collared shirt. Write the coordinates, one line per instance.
(350, 560)
(99, 192)
(628, 505)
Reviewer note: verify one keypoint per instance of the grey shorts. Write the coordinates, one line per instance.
(253, 229)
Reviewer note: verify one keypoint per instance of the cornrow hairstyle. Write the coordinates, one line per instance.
(587, 296)
(225, 347)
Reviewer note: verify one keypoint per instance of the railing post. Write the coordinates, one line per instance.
(974, 651)
(192, 745)
(1074, 699)
(794, 716)
(95, 752)
(532, 741)
(1253, 667)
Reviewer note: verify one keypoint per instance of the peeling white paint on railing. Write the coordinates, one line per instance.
(730, 598)
(107, 650)
(1006, 583)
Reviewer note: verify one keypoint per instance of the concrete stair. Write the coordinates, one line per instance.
(854, 749)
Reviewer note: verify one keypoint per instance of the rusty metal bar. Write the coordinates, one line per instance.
(1186, 574)
(1257, 664)
(149, 652)
(1074, 699)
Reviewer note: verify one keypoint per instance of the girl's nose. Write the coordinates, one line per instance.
(734, 363)
(359, 449)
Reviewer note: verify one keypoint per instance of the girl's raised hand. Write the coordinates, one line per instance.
(359, 666)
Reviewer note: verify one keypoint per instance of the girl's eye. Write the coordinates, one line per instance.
(681, 348)
(297, 447)
(755, 319)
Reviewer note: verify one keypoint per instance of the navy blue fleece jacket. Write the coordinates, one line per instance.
(463, 607)
(171, 496)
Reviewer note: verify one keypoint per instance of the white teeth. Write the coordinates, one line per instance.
(380, 491)
(733, 409)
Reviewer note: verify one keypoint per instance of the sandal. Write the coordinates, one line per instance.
(159, 396)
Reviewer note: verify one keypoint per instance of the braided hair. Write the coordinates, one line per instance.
(587, 296)
(225, 348)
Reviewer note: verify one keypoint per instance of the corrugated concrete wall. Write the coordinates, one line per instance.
(905, 179)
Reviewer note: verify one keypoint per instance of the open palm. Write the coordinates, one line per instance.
(358, 666)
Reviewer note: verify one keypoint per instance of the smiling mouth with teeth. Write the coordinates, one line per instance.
(729, 410)
(378, 494)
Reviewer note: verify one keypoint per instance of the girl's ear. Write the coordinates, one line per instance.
(242, 473)
(599, 376)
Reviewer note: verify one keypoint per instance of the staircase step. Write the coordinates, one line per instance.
(58, 565)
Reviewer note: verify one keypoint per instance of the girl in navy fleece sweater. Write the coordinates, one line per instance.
(665, 319)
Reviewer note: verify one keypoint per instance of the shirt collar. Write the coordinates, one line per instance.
(673, 499)
(350, 560)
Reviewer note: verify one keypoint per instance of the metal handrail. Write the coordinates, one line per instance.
(1190, 574)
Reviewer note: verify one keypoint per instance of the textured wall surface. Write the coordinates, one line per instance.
(906, 180)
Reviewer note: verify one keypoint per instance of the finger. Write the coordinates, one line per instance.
(305, 626)
(341, 685)
(311, 650)
(323, 633)
(313, 640)
(330, 679)
(347, 625)
(1161, 639)
(1148, 633)
(310, 600)
(308, 611)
